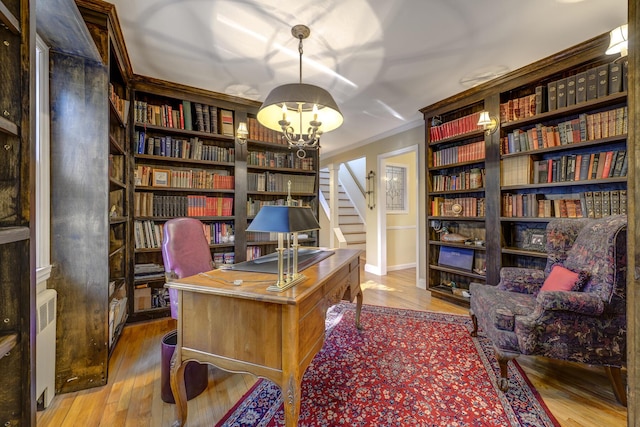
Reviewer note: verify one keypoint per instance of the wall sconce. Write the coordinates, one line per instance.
(242, 133)
(619, 41)
(489, 124)
(371, 190)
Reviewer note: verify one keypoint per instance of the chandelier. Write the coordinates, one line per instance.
(302, 112)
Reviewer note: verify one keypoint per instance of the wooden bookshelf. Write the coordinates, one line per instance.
(17, 213)
(584, 129)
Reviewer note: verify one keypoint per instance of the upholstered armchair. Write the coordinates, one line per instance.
(574, 309)
(185, 252)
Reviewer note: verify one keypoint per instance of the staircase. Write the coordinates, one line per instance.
(352, 226)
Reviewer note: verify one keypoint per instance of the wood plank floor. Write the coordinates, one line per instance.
(578, 395)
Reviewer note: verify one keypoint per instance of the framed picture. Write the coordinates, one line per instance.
(535, 240)
(160, 178)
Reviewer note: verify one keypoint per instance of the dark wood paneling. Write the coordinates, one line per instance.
(79, 228)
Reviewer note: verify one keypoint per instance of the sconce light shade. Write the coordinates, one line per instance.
(484, 119)
(284, 219)
(490, 124)
(242, 133)
(619, 41)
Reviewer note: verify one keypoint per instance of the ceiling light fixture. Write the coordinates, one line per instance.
(619, 41)
(302, 112)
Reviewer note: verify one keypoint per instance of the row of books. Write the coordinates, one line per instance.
(581, 167)
(145, 175)
(589, 204)
(253, 252)
(279, 160)
(218, 233)
(585, 127)
(269, 237)
(466, 180)
(181, 148)
(148, 234)
(459, 154)
(121, 105)
(596, 82)
(279, 182)
(253, 205)
(471, 206)
(259, 132)
(455, 127)
(223, 258)
(150, 204)
(182, 115)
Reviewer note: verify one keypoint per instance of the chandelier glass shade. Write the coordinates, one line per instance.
(302, 112)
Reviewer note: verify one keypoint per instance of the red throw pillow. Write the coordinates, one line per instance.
(562, 279)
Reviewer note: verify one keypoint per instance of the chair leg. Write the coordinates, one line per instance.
(474, 319)
(615, 377)
(503, 381)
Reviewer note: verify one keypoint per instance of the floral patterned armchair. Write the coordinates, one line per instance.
(586, 323)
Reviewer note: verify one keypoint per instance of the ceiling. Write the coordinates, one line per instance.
(381, 60)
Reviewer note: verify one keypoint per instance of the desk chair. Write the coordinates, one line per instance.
(185, 252)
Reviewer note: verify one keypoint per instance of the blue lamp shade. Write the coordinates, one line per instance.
(284, 219)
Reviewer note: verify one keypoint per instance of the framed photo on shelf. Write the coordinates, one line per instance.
(160, 178)
(535, 240)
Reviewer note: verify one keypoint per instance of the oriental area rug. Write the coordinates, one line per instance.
(405, 368)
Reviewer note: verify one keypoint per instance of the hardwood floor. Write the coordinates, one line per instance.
(578, 395)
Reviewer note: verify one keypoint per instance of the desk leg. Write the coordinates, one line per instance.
(358, 307)
(179, 389)
(291, 400)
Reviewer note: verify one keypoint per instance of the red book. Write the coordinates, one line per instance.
(607, 165)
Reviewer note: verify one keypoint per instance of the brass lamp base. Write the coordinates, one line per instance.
(286, 284)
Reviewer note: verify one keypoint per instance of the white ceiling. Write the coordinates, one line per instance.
(389, 57)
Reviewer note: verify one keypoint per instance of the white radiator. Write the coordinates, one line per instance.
(46, 302)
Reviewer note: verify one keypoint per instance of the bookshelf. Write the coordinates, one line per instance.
(17, 288)
(566, 157)
(559, 118)
(270, 167)
(184, 162)
(456, 236)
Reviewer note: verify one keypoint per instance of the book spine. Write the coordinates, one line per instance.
(552, 101)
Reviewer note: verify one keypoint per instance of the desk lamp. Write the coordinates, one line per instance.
(289, 220)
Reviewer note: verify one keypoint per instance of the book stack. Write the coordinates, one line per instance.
(581, 167)
(279, 160)
(455, 127)
(277, 182)
(519, 108)
(181, 148)
(459, 154)
(471, 206)
(585, 127)
(465, 180)
(589, 204)
(261, 133)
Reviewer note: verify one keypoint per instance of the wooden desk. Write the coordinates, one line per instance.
(246, 328)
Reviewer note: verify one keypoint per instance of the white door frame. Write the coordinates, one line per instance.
(382, 211)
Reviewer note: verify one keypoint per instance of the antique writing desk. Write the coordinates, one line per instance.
(246, 328)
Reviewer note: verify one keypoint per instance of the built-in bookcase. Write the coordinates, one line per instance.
(456, 201)
(17, 288)
(186, 161)
(559, 150)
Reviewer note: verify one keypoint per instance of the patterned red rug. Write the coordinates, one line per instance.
(405, 368)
